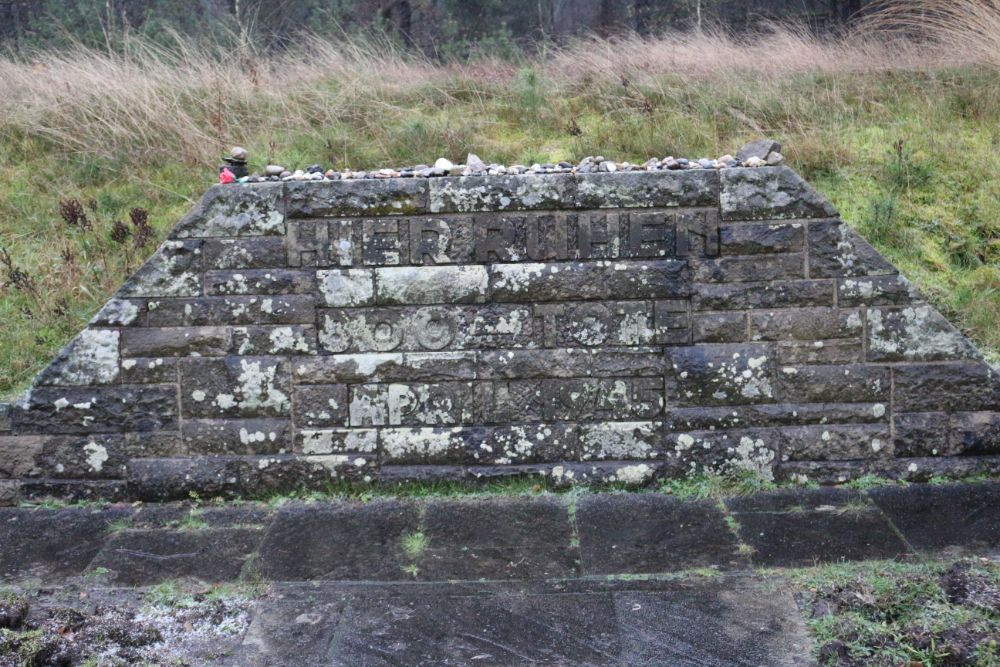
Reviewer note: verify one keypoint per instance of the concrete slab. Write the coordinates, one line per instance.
(728, 621)
(339, 541)
(51, 544)
(652, 533)
(696, 621)
(143, 557)
(956, 517)
(497, 538)
(805, 527)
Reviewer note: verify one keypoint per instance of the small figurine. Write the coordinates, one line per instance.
(236, 164)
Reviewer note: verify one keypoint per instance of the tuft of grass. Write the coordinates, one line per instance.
(705, 485)
(193, 521)
(414, 544)
(871, 482)
(120, 525)
(96, 573)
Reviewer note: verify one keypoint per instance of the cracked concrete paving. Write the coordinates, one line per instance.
(564, 579)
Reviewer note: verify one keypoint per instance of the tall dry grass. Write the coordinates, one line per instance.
(188, 100)
(967, 28)
(191, 100)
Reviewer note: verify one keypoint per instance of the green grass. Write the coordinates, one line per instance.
(892, 613)
(414, 544)
(909, 158)
(736, 483)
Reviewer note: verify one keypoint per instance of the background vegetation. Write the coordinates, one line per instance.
(900, 131)
(438, 28)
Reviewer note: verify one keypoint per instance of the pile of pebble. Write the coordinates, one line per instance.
(761, 153)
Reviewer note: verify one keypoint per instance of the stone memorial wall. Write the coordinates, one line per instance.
(609, 327)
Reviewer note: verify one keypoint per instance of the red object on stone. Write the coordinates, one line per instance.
(226, 176)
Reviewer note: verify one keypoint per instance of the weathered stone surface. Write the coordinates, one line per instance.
(235, 211)
(642, 189)
(601, 280)
(839, 529)
(748, 238)
(90, 359)
(337, 441)
(145, 557)
(750, 268)
(431, 284)
(10, 490)
(45, 544)
(386, 367)
(934, 518)
(806, 324)
(149, 370)
(246, 253)
(175, 342)
(270, 340)
(347, 288)
(836, 351)
(922, 434)
(260, 281)
(781, 414)
(876, 291)
(836, 250)
(945, 387)
(975, 433)
(497, 539)
(687, 622)
(790, 294)
(720, 375)
(95, 456)
(233, 310)
(160, 479)
(724, 452)
(430, 328)
(236, 387)
(504, 193)
(915, 333)
(339, 542)
(651, 534)
(110, 409)
(911, 469)
(5, 410)
(236, 436)
(174, 270)
(571, 362)
(352, 197)
(321, 405)
(578, 399)
(833, 384)
(586, 327)
(17, 455)
(758, 148)
(836, 441)
(120, 313)
(770, 193)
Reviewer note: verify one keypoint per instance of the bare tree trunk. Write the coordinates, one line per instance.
(697, 9)
(607, 18)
